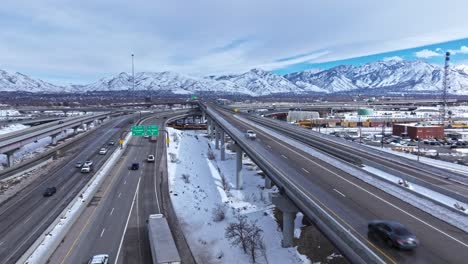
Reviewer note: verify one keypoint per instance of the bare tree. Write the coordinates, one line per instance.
(254, 241)
(237, 233)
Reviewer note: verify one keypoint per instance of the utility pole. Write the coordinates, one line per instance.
(133, 84)
(383, 132)
(418, 147)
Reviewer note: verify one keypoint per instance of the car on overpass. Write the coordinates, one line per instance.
(251, 134)
(49, 191)
(111, 143)
(150, 158)
(88, 163)
(99, 259)
(393, 234)
(79, 164)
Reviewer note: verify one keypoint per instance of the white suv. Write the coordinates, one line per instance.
(102, 151)
(250, 134)
(99, 259)
(150, 158)
(86, 169)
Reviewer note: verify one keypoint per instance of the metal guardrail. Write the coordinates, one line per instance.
(354, 249)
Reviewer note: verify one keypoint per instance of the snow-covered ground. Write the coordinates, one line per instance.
(6, 113)
(196, 188)
(12, 128)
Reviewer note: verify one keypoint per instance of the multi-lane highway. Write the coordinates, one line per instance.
(115, 223)
(353, 203)
(26, 215)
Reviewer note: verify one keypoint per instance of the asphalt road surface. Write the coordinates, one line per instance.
(353, 203)
(26, 215)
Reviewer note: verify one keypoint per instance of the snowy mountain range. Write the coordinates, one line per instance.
(392, 76)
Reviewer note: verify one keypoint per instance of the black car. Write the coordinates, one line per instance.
(135, 166)
(393, 233)
(49, 191)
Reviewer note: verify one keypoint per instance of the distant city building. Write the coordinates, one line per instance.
(418, 130)
(294, 116)
(223, 101)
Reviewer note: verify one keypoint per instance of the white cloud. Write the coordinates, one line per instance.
(461, 50)
(86, 39)
(393, 58)
(425, 53)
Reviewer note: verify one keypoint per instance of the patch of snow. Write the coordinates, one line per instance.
(194, 200)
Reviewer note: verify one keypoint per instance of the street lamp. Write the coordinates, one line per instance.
(417, 138)
(133, 84)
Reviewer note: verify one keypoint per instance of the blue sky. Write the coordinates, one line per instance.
(68, 41)
(434, 53)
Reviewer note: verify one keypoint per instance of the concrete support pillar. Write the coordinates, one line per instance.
(84, 127)
(54, 139)
(239, 179)
(10, 160)
(217, 128)
(203, 118)
(223, 145)
(268, 183)
(75, 130)
(289, 211)
(209, 128)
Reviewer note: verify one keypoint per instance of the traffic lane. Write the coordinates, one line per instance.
(352, 207)
(118, 202)
(101, 236)
(21, 236)
(382, 213)
(136, 248)
(434, 251)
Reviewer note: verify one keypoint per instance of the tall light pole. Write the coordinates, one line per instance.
(419, 153)
(133, 84)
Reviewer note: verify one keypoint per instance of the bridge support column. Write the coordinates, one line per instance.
(239, 179)
(217, 128)
(75, 130)
(54, 139)
(209, 127)
(268, 183)
(10, 160)
(223, 145)
(289, 211)
(203, 118)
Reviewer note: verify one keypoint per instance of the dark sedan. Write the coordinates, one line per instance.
(49, 191)
(393, 233)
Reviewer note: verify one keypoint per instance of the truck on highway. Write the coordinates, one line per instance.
(163, 248)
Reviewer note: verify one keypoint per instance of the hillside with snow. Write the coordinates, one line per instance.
(17, 82)
(381, 77)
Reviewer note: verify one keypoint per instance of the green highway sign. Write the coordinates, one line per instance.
(138, 131)
(152, 130)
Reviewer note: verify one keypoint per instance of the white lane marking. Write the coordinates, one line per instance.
(128, 219)
(102, 232)
(125, 182)
(1, 243)
(27, 220)
(268, 146)
(120, 194)
(112, 211)
(305, 170)
(339, 192)
(284, 156)
(368, 192)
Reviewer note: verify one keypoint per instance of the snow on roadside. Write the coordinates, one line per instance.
(196, 188)
(12, 128)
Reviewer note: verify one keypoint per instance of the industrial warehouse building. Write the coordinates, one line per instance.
(418, 130)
